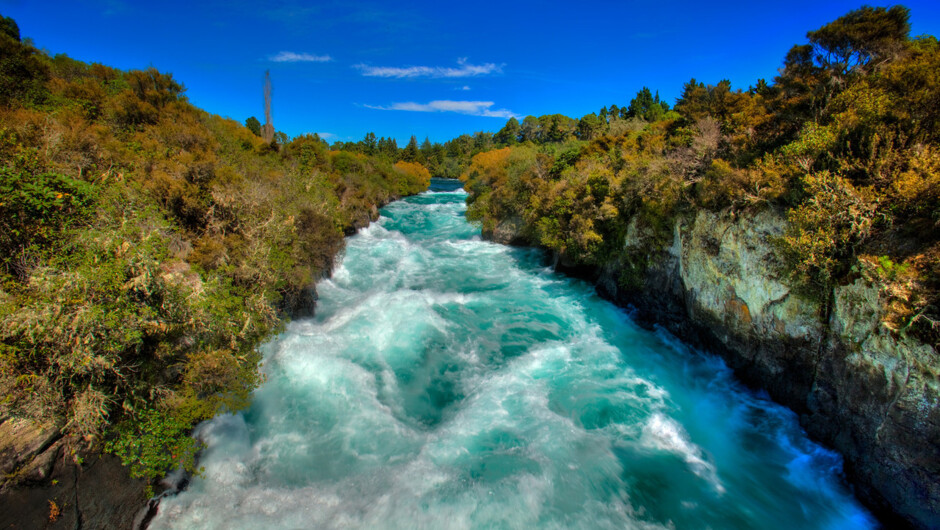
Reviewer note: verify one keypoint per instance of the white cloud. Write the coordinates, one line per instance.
(326, 135)
(464, 69)
(472, 108)
(464, 88)
(293, 57)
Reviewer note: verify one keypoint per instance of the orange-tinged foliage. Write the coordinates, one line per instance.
(919, 185)
(417, 176)
(488, 168)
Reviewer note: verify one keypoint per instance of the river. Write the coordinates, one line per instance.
(447, 382)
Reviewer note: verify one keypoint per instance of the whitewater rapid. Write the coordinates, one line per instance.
(447, 382)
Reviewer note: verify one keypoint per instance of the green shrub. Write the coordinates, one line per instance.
(824, 232)
(34, 209)
(155, 441)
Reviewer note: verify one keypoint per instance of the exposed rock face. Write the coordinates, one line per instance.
(301, 303)
(883, 390)
(857, 387)
(507, 232)
(45, 488)
(730, 286)
(362, 218)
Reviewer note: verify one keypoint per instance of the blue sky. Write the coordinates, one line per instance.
(435, 69)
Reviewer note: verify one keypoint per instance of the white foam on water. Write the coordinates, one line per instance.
(665, 434)
(448, 382)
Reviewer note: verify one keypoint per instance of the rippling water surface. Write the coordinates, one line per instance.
(448, 383)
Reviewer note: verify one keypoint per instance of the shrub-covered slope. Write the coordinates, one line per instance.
(147, 248)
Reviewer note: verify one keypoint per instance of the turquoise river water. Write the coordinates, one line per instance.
(447, 382)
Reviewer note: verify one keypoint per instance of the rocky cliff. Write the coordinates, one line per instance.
(858, 387)
(47, 483)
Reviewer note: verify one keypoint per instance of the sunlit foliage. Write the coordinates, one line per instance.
(148, 247)
(844, 143)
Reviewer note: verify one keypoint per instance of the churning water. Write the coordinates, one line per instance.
(447, 382)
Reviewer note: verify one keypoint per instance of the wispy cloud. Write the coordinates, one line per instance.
(294, 57)
(464, 88)
(472, 108)
(463, 69)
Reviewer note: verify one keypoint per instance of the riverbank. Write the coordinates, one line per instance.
(147, 248)
(52, 481)
(856, 386)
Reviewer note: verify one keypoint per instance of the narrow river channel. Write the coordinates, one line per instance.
(447, 382)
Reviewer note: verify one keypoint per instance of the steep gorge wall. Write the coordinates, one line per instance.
(857, 387)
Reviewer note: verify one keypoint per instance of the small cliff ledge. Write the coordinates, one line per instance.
(858, 387)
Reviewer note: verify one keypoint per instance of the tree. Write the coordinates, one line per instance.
(426, 148)
(253, 125)
(589, 127)
(410, 152)
(509, 134)
(388, 148)
(418, 177)
(662, 103)
(154, 87)
(557, 127)
(531, 129)
(866, 36)
(267, 131)
(9, 27)
(761, 88)
(369, 143)
(815, 73)
(646, 106)
(694, 103)
(482, 141)
(23, 73)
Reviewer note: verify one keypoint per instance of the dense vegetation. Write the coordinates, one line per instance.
(147, 248)
(452, 158)
(844, 141)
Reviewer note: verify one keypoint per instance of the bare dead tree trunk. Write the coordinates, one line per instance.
(267, 130)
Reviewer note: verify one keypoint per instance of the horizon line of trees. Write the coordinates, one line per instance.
(450, 158)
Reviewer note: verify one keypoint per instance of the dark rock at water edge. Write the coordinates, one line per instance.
(301, 303)
(48, 488)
